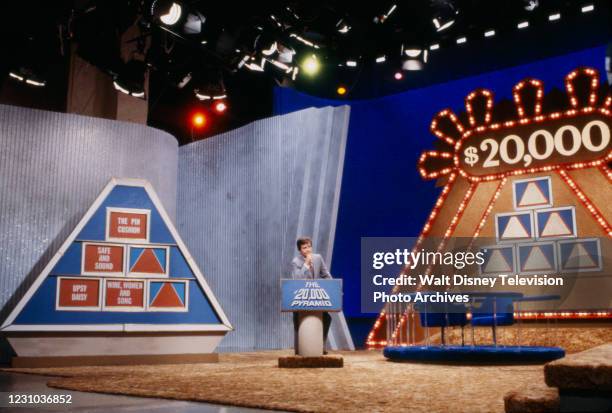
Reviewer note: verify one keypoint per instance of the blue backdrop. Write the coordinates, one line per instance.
(382, 193)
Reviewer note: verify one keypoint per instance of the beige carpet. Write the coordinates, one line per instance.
(367, 383)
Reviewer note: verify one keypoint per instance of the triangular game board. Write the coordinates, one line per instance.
(137, 273)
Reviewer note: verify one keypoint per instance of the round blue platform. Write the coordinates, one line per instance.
(474, 354)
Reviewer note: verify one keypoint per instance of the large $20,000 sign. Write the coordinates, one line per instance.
(576, 138)
(533, 144)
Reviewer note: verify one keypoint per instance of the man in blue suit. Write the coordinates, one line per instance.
(310, 266)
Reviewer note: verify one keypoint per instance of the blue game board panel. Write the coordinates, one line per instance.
(40, 310)
(126, 197)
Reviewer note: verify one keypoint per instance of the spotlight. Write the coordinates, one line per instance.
(220, 107)
(489, 33)
(171, 14)
(434, 46)
(211, 86)
(311, 65)
(198, 120)
(445, 13)
(530, 5)
(342, 26)
(553, 17)
(523, 25)
(384, 17)
(27, 76)
(381, 59)
(351, 63)
(462, 40)
(414, 58)
(285, 53)
(398, 75)
(130, 79)
(341, 90)
(587, 8)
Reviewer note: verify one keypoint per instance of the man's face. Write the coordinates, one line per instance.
(306, 249)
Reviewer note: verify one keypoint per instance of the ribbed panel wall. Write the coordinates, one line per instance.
(52, 167)
(245, 196)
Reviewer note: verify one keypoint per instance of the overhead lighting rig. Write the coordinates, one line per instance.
(445, 14)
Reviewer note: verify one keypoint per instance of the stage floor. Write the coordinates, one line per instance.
(367, 383)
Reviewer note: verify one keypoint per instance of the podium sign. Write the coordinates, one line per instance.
(311, 295)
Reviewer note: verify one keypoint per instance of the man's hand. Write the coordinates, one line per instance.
(308, 261)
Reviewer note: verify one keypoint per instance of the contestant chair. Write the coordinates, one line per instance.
(493, 312)
(443, 315)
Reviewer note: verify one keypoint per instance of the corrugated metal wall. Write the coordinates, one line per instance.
(243, 199)
(52, 167)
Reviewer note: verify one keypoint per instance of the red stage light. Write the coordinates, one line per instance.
(198, 120)
(220, 107)
(398, 75)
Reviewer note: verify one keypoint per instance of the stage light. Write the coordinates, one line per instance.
(311, 65)
(398, 75)
(16, 76)
(342, 26)
(220, 107)
(489, 33)
(554, 17)
(381, 59)
(588, 8)
(285, 53)
(461, 40)
(384, 17)
(130, 79)
(530, 5)
(523, 25)
(351, 63)
(198, 120)
(444, 15)
(27, 76)
(304, 41)
(415, 60)
(434, 47)
(341, 90)
(270, 51)
(172, 16)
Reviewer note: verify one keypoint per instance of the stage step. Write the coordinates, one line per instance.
(578, 382)
(532, 400)
(587, 370)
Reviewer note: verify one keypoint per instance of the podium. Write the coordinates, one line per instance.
(308, 299)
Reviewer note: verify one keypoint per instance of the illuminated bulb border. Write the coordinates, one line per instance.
(607, 172)
(488, 108)
(516, 93)
(450, 115)
(487, 212)
(538, 118)
(586, 202)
